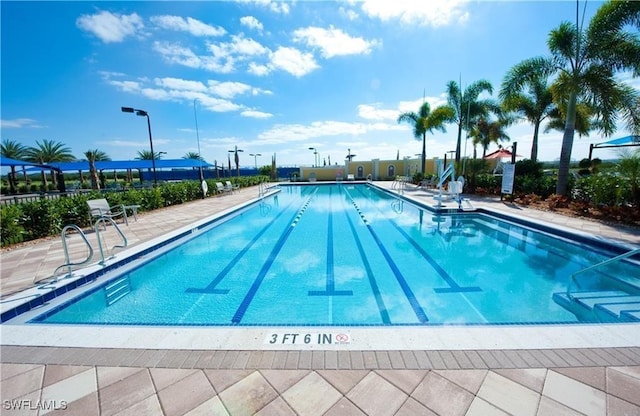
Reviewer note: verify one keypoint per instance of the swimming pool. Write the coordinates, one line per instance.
(350, 255)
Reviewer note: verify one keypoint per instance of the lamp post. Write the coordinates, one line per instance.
(237, 159)
(203, 184)
(255, 158)
(315, 155)
(143, 113)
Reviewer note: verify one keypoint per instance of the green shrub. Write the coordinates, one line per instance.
(528, 167)
(11, 229)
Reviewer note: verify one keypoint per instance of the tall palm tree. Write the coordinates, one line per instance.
(486, 132)
(526, 90)
(468, 108)
(46, 152)
(425, 121)
(94, 156)
(586, 62)
(13, 150)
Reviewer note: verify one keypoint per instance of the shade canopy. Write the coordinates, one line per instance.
(7, 161)
(133, 164)
(500, 154)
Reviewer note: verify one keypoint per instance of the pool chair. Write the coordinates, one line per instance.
(230, 187)
(221, 189)
(427, 183)
(99, 208)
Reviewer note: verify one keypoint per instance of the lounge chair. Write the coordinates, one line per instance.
(99, 208)
(428, 183)
(221, 189)
(230, 187)
(350, 177)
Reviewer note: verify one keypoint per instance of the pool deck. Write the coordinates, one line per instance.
(561, 370)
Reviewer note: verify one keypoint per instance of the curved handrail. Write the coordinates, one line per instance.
(97, 229)
(595, 266)
(67, 258)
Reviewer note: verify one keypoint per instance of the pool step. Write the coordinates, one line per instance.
(610, 305)
(117, 289)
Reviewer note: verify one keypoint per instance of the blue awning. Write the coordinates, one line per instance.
(623, 141)
(133, 164)
(7, 161)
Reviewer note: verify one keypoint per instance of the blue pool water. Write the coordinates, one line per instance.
(348, 255)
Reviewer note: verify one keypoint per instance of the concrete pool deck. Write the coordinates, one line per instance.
(441, 371)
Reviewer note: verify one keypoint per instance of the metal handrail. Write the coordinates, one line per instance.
(65, 246)
(97, 229)
(597, 265)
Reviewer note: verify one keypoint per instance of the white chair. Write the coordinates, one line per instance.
(230, 187)
(221, 189)
(350, 177)
(99, 208)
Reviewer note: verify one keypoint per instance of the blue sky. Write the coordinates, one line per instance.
(268, 77)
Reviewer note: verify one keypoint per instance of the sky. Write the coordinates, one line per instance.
(266, 77)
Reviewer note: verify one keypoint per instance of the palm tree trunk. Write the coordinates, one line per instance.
(12, 180)
(567, 145)
(534, 144)
(424, 150)
(459, 142)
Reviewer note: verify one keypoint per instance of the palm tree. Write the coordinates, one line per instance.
(147, 155)
(586, 62)
(94, 156)
(526, 90)
(193, 156)
(486, 132)
(629, 168)
(46, 152)
(13, 150)
(425, 121)
(467, 108)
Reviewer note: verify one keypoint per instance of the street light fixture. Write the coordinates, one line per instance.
(237, 159)
(255, 158)
(143, 113)
(315, 155)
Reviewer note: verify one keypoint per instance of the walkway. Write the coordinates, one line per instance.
(122, 381)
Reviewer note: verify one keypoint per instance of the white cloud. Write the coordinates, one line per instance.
(293, 61)
(275, 6)
(424, 13)
(228, 89)
(374, 112)
(349, 13)
(256, 114)
(282, 133)
(258, 69)
(333, 42)
(180, 84)
(177, 54)
(191, 25)
(252, 23)
(110, 27)
(18, 123)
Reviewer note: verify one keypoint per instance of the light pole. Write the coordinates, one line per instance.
(255, 158)
(203, 184)
(143, 113)
(237, 159)
(315, 155)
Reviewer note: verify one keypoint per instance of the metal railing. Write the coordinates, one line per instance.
(102, 221)
(68, 263)
(574, 281)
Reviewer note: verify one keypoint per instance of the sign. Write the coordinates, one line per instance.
(508, 176)
(297, 338)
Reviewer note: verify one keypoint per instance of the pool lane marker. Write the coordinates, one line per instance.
(211, 287)
(453, 286)
(331, 282)
(384, 314)
(411, 297)
(244, 305)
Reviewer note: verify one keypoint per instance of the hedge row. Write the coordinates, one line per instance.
(46, 217)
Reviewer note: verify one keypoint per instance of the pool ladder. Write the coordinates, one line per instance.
(68, 264)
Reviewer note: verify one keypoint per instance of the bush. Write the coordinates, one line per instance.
(11, 232)
(528, 167)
